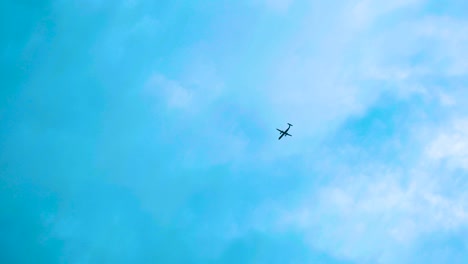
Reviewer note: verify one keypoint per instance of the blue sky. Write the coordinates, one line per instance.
(138, 131)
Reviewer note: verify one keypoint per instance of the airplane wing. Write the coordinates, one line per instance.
(287, 134)
(280, 130)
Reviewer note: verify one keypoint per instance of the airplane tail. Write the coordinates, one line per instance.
(290, 124)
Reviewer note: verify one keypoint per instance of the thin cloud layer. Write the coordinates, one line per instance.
(137, 132)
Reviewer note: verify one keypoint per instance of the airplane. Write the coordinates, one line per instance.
(284, 132)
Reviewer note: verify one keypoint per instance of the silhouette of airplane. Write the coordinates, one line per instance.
(284, 132)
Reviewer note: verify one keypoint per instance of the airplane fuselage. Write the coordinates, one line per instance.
(283, 133)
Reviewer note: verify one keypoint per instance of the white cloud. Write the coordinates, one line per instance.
(365, 12)
(374, 217)
(212, 140)
(451, 145)
(197, 88)
(378, 213)
(321, 79)
(171, 91)
(447, 100)
(326, 76)
(179, 97)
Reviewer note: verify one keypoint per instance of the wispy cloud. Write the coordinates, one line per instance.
(145, 132)
(322, 79)
(326, 76)
(175, 95)
(451, 146)
(398, 206)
